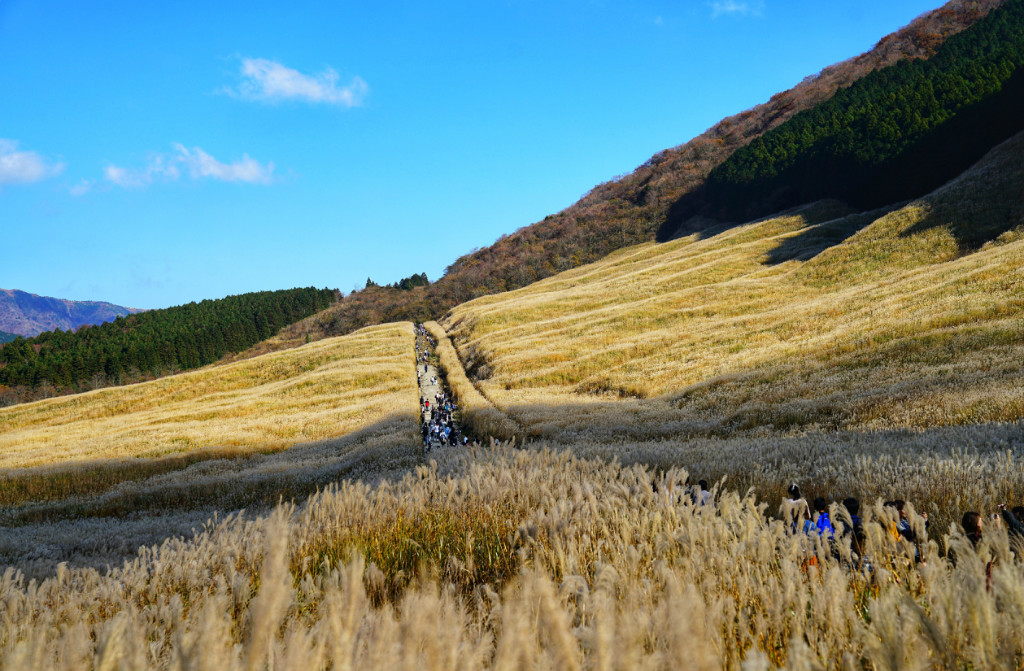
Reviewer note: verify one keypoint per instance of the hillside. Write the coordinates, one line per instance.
(815, 320)
(631, 209)
(228, 436)
(7, 337)
(29, 315)
(151, 343)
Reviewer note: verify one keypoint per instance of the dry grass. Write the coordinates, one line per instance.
(292, 422)
(319, 391)
(541, 560)
(906, 323)
(885, 365)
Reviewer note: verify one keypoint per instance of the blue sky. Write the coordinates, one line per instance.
(152, 154)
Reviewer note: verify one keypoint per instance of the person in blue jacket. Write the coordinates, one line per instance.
(823, 523)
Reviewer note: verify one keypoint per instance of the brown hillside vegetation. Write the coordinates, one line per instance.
(814, 320)
(627, 210)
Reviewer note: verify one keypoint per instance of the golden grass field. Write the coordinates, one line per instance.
(226, 437)
(321, 390)
(478, 413)
(765, 327)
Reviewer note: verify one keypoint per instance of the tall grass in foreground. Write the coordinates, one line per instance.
(548, 561)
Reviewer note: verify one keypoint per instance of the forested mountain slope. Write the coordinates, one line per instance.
(895, 134)
(151, 343)
(631, 209)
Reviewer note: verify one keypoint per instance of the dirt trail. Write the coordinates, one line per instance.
(433, 418)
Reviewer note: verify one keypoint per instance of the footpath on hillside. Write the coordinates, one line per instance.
(440, 418)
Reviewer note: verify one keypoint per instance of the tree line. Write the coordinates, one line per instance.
(153, 343)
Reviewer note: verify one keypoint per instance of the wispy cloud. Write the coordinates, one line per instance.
(195, 162)
(159, 166)
(268, 81)
(200, 164)
(736, 7)
(23, 167)
(82, 188)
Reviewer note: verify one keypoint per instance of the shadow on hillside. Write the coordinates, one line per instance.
(230, 482)
(814, 240)
(105, 523)
(986, 218)
(678, 417)
(829, 223)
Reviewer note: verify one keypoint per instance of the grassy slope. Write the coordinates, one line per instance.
(324, 390)
(901, 324)
(162, 457)
(536, 561)
(331, 402)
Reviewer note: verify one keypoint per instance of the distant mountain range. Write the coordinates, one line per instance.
(7, 337)
(28, 315)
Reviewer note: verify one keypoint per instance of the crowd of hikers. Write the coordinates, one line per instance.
(437, 426)
(797, 511)
(438, 423)
(815, 521)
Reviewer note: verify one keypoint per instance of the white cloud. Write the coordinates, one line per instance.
(201, 164)
(736, 7)
(126, 177)
(159, 166)
(268, 81)
(196, 162)
(23, 167)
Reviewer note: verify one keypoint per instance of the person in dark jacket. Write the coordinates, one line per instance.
(1014, 522)
(856, 530)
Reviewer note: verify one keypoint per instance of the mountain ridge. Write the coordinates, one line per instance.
(26, 314)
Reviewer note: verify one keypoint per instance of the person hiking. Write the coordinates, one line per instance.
(1013, 518)
(823, 523)
(854, 530)
(973, 527)
(703, 495)
(795, 509)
